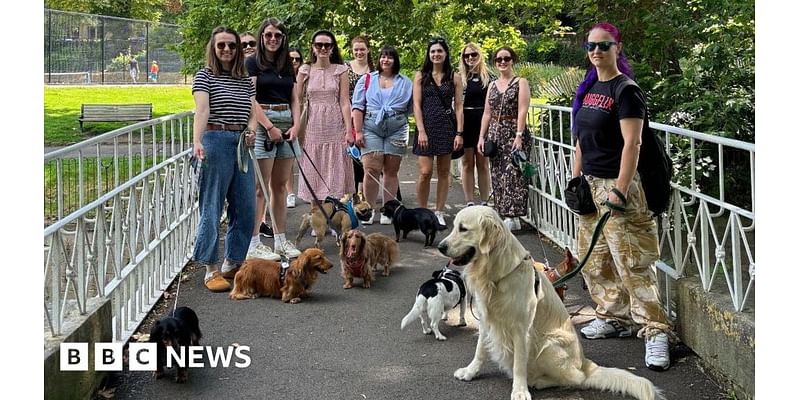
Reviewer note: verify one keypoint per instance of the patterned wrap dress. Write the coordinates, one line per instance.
(510, 186)
(438, 126)
(325, 137)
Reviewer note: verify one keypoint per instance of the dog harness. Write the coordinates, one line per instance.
(356, 267)
(352, 212)
(458, 281)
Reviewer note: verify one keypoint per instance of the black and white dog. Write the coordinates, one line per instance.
(445, 291)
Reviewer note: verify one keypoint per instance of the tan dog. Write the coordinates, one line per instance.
(340, 218)
(523, 326)
(259, 277)
(354, 261)
(381, 250)
(567, 265)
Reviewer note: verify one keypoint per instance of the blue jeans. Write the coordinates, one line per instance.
(221, 179)
(389, 136)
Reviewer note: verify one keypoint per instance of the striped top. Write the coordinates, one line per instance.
(228, 97)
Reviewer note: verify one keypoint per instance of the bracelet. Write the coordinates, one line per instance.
(520, 133)
(270, 128)
(459, 133)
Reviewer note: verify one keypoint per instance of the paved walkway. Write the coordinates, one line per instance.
(347, 344)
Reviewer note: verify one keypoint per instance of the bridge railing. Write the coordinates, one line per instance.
(123, 223)
(709, 229)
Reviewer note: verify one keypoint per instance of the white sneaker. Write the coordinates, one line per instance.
(440, 217)
(370, 220)
(517, 225)
(656, 352)
(291, 200)
(262, 251)
(509, 223)
(600, 329)
(385, 220)
(287, 249)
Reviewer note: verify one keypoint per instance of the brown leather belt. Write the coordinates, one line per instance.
(503, 117)
(275, 107)
(225, 127)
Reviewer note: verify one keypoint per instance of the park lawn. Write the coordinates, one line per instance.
(62, 107)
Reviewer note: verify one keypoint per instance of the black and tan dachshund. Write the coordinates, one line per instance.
(181, 329)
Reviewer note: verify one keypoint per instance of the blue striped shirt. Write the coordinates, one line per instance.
(398, 100)
(228, 97)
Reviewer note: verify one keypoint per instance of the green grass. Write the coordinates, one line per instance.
(62, 107)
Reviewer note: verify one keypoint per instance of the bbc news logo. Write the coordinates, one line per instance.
(143, 356)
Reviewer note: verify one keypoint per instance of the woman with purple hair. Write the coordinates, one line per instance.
(608, 114)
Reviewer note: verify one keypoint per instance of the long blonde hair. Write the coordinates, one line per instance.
(480, 67)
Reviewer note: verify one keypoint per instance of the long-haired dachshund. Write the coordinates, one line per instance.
(381, 250)
(259, 277)
(354, 261)
(181, 328)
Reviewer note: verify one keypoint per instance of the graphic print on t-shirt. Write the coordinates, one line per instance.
(599, 102)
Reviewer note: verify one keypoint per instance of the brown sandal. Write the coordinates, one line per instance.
(217, 283)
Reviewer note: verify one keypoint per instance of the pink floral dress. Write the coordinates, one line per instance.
(325, 136)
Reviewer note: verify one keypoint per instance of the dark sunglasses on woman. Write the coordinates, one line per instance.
(604, 46)
(251, 43)
(321, 45)
(231, 45)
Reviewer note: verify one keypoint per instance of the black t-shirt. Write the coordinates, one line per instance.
(598, 129)
(271, 87)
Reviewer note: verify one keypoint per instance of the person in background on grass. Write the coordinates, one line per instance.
(439, 127)
(609, 132)
(249, 44)
(133, 69)
(276, 145)
(380, 114)
(475, 79)
(226, 113)
(504, 122)
(329, 124)
(154, 71)
(296, 57)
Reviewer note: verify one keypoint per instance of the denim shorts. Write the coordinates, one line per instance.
(283, 120)
(389, 136)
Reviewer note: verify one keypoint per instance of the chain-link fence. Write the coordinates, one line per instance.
(95, 49)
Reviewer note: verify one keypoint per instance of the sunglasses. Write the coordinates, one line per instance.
(251, 43)
(436, 40)
(270, 35)
(470, 55)
(230, 45)
(321, 45)
(604, 46)
(505, 59)
(295, 59)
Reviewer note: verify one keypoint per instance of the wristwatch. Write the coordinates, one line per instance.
(459, 133)
(519, 134)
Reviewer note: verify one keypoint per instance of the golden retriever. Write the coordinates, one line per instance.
(523, 325)
(259, 277)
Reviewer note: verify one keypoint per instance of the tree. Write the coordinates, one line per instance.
(150, 10)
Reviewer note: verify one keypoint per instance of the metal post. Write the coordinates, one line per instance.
(49, 45)
(147, 51)
(103, 50)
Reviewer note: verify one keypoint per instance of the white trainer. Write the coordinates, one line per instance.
(370, 220)
(262, 251)
(600, 329)
(291, 200)
(509, 223)
(440, 217)
(656, 352)
(287, 249)
(385, 220)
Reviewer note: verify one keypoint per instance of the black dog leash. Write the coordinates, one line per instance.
(305, 179)
(598, 230)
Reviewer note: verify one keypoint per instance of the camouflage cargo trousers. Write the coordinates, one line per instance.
(618, 273)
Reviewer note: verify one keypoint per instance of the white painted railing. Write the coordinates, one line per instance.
(705, 228)
(132, 227)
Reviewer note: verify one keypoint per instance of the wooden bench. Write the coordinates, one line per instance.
(115, 113)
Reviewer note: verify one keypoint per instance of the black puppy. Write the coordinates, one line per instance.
(409, 219)
(180, 329)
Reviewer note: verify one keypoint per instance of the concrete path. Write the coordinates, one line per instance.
(347, 344)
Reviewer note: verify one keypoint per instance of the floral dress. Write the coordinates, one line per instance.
(509, 185)
(325, 136)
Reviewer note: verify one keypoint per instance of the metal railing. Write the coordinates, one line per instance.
(708, 227)
(126, 243)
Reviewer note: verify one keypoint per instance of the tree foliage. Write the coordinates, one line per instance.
(404, 24)
(149, 10)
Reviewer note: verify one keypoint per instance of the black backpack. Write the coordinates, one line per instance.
(655, 165)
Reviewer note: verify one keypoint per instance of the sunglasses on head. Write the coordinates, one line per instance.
(604, 46)
(221, 45)
(276, 35)
(251, 43)
(321, 45)
(506, 59)
(470, 55)
(436, 40)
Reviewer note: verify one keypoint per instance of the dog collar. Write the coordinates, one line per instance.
(284, 268)
(397, 210)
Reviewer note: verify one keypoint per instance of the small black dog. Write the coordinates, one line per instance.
(180, 329)
(409, 219)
